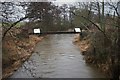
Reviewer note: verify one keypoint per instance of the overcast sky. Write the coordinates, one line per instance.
(58, 0)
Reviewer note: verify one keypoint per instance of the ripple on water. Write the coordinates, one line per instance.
(48, 71)
(71, 56)
(62, 54)
(45, 63)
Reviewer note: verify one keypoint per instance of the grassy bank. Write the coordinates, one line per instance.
(16, 48)
(99, 51)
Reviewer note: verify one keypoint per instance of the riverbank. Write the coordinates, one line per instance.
(16, 50)
(89, 48)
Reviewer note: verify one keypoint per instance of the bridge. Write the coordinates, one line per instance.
(39, 32)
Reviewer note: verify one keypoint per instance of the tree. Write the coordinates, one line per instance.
(71, 16)
(100, 22)
(9, 16)
(43, 14)
(116, 57)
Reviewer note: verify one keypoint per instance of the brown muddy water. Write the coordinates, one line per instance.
(57, 57)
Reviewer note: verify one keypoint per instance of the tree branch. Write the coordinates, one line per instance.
(115, 8)
(89, 21)
(4, 34)
(93, 24)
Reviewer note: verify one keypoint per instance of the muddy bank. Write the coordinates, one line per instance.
(15, 51)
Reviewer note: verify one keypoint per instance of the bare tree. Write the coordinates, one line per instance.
(9, 15)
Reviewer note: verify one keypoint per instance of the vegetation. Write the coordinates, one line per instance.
(103, 37)
(100, 22)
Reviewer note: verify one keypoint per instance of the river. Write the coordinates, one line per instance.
(57, 57)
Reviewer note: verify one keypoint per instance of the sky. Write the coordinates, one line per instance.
(65, 0)
(57, 0)
(59, 3)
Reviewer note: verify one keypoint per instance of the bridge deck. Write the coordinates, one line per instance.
(60, 32)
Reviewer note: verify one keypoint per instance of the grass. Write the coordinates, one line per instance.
(18, 24)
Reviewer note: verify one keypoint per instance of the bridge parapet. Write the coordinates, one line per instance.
(39, 32)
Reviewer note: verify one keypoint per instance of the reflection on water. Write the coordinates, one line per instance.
(57, 57)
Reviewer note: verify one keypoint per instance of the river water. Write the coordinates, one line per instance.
(57, 57)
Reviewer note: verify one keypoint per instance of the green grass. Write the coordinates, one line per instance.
(18, 24)
(0, 24)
